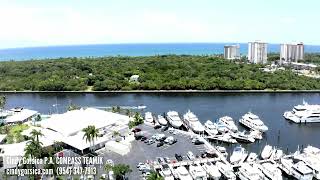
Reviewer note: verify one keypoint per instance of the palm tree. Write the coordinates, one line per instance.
(108, 168)
(33, 148)
(120, 170)
(138, 118)
(35, 134)
(90, 134)
(154, 176)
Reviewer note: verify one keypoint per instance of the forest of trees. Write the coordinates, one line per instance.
(167, 72)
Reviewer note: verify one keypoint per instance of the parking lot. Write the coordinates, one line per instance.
(142, 152)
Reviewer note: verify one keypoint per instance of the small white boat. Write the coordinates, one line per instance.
(221, 127)
(148, 117)
(174, 119)
(270, 170)
(242, 137)
(197, 172)
(229, 123)
(192, 121)
(226, 138)
(250, 172)
(252, 157)
(239, 154)
(266, 152)
(212, 170)
(226, 170)
(210, 128)
(162, 121)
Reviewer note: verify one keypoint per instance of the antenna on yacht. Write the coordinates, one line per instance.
(304, 102)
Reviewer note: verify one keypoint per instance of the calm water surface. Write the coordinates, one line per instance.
(269, 106)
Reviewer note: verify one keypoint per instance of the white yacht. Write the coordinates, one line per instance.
(212, 170)
(197, 172)
(192, 121)
(256, 134)
(210, 128)
(222, 150)
(226, 170)
(162, 121)
(298, 170)
(270, 170)
(148, 117)
(242, 137)
(227, 138)
(183, 173)
(252, 157)
(312, 161)
(229, 123)
(166, 173)
(253, 122)
(248, 172)
(304, 113)
(266, 152)
(239, 154)
(276, 154)
(174, 119)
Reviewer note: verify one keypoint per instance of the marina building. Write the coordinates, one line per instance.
(257, 52)
(291, 52)
(232, 52)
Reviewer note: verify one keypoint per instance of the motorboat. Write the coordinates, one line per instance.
(238, 155)
(270, 170)
(229, 123)
(256, 134)
(226, 170)
(183, 173)
(148, 117)
(197, 172)
(162, 121)
(266, 152)
(174, 119)
(312, 150)
(250, 172)
(252, 157)
(253, 122)
(222, 150)
(212, 170)
(305, 113)
(210, 128)
(221, 127)
(242, 137)
(192, 121)
(166, 173)
(226, 138)
(276, 154)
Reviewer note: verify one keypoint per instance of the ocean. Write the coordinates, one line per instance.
(19, 54)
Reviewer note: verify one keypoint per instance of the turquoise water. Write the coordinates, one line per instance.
(126, 50)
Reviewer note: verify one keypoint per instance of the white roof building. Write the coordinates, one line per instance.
(20, 116)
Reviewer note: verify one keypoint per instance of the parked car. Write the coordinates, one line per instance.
(190, 155)
(110, 161)
(198, 142)
(165, 128)
(140, 164)
(178, 157)
(157, 126)
(150, 141)
(143, 138)
(160, 136)
(161, 160)
(172, 142)
(167, 160)
(135, 130)
(160, 144)
(138, 137)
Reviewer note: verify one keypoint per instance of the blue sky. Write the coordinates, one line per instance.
(68, 22)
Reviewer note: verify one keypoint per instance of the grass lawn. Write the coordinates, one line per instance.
(14, 132)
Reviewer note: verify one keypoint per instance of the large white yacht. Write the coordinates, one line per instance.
(229, 123)
(248, 172)
(210, 128)
(148, 117)
(212, 170)
(270, 170)
(166, 173)
(239, 154)
(226, 170)
(305, 113)
(183, 173)
(174, 119)
(253, 121)
(162, 121)
(192, 121)
(221, 127)
(311, 160)
(197, 172)
(298, 170)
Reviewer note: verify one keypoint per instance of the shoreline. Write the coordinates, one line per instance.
(170, 91)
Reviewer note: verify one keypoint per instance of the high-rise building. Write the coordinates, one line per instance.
(232, 52)
(257, 52)
(291, 52)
